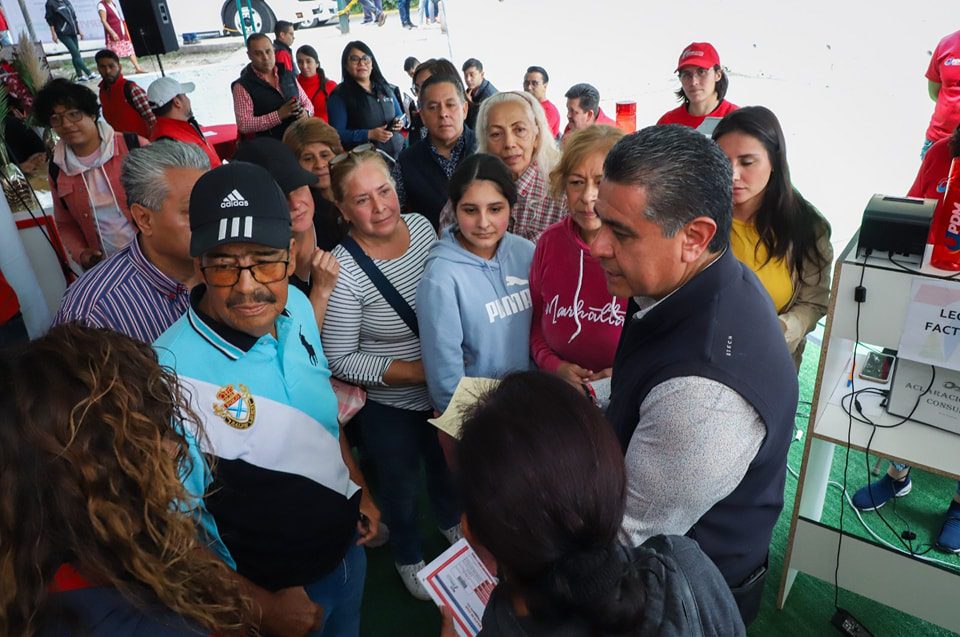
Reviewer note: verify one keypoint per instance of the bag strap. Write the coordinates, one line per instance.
(380, 281)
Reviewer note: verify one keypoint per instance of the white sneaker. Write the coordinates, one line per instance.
(408, 573)
(453, 534)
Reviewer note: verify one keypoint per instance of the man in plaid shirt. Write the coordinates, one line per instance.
(267, 98)
(125, 104)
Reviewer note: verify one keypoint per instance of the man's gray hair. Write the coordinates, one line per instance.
(143, 172)
(683, 173)
(588, 96)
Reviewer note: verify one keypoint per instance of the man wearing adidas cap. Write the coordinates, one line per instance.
(285, 494)
(169, 101)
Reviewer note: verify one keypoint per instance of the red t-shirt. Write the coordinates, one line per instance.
(311, 86)
(553, 116)
(681, 116)
(945, 69)
(931, 181)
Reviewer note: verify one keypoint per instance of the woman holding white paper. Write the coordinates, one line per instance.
(552, 522)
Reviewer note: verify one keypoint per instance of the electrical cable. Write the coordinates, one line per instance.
(919, 556)
(903, 267)
(859, 296)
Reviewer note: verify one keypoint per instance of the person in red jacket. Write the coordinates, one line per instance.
(285, 36)
(576, 321)
(175, 120)
(89, 203)
(314, 81)
(703, 85)
(125, 104)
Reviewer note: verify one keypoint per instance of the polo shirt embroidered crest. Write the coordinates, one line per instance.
(236, 406)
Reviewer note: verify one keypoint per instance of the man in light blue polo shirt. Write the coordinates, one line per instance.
(285, 495)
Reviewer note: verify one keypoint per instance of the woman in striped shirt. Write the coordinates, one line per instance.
(368, 343)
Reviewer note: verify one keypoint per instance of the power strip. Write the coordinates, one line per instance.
(848, 624)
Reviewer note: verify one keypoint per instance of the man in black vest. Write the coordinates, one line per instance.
(704, 391)
(267, 98)
(424, 169)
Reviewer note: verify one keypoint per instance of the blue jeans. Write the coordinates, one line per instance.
(371, 8)
(404, 7)
(70, 41)
(396, 440)
(340, 593)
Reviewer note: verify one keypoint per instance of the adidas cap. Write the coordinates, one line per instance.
(237, 203)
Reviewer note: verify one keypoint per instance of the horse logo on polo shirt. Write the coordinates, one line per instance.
(236, 407)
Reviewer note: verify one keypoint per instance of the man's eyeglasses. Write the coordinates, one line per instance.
(359, 59)
(227, 276)
(73, 115)
(359, 150)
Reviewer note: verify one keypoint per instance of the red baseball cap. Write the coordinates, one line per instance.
(700, 54)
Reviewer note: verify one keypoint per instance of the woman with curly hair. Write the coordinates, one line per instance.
(90, 461)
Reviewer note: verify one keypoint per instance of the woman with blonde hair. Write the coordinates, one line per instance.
(91, 459)
(576, 321)
(371, 338)
(513, 127)
(315, 143)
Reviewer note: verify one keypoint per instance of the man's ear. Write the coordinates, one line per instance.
(292, 265)
(697, 235)
(143, 217)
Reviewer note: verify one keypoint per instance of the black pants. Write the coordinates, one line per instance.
(749, 593)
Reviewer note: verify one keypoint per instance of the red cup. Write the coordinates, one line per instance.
(627, 116)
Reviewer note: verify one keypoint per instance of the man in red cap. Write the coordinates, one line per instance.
(703, 85)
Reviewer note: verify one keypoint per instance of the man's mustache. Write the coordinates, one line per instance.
(260, 296)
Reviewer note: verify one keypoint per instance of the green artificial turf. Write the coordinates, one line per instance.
(389, 611)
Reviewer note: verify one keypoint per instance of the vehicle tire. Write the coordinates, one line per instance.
(259, 20)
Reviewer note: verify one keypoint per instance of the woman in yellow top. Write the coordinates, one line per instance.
(776, 232)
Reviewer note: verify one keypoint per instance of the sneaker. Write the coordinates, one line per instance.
(883, 490)
(381, 19)
(382, 537)
(408, 573)
(949, 538)
(453, 534)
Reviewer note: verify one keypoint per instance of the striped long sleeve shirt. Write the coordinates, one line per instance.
(362, 334)
(125, 293)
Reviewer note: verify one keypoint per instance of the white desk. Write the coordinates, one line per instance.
(896, 579)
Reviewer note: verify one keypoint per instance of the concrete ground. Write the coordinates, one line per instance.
(845, 78)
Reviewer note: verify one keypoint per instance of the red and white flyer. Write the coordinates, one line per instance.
(459, 580)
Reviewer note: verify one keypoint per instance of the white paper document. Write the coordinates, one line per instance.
(459, 580)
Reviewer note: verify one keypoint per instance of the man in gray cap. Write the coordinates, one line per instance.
(169, 101)
(285, 495)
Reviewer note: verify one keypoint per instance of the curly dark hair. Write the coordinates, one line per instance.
(91, 454)
(63, 92)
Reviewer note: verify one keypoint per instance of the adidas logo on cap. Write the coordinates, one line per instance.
(233, 199)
